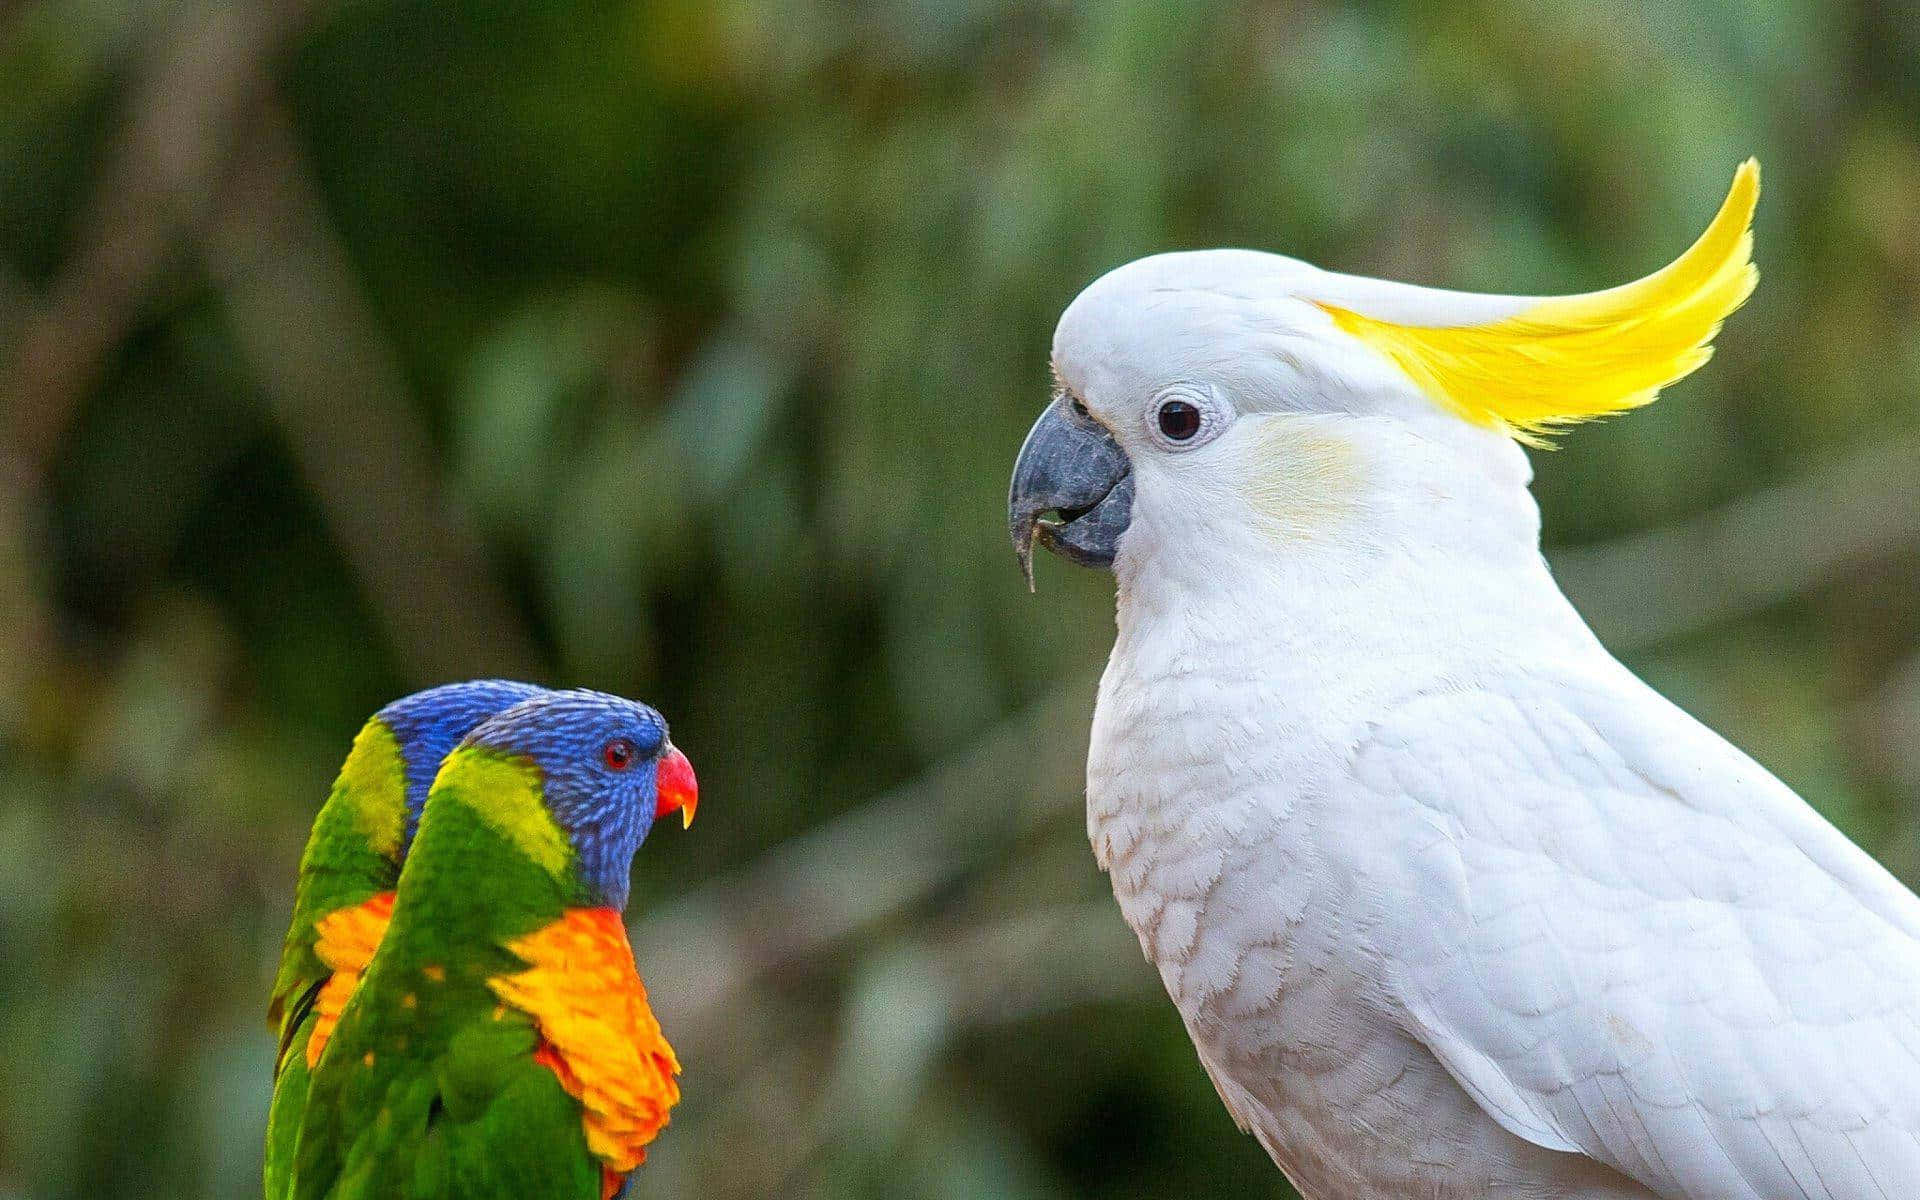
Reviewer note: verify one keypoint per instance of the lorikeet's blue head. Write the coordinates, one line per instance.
(429, 724)
(607, 772)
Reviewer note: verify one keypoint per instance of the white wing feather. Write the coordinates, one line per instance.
(1627, 939)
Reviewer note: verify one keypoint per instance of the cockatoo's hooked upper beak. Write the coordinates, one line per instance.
(1072, 468)
(675, 788)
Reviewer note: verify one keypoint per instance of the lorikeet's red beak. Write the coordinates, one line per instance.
(675, 787)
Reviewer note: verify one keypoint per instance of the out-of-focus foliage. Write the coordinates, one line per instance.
(682, 349)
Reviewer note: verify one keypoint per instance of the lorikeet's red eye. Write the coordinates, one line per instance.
(619, 754)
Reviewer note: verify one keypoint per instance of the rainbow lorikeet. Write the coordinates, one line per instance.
(500, 1043)
(347, 877)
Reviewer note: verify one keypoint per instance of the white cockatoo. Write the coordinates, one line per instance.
(1453, 906)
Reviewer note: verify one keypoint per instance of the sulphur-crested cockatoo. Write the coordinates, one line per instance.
(1453, 905)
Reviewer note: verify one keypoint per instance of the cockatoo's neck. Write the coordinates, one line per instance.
(1340, 541)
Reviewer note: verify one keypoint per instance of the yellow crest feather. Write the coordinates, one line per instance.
(1567, 359)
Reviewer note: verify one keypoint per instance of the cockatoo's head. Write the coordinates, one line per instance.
(1287, 399)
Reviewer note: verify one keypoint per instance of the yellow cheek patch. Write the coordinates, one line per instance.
(1568, 359)
(375, 776)
(348, 938)
(1299, 477)
(505, 791)
(598, 1034)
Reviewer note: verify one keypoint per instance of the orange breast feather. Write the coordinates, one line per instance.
(599, 1035)
(348, 938)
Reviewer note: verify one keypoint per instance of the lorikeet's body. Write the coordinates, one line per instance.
(500, 1043)
(347, 877)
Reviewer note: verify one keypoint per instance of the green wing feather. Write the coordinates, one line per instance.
(428, 1087)
(352, 854)
(481, 1120)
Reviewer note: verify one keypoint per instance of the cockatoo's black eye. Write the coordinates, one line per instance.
(1179, 421)
(619, 754)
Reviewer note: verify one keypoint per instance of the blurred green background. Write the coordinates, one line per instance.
(682, 349)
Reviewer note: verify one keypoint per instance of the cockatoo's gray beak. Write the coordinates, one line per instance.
(1071, 468)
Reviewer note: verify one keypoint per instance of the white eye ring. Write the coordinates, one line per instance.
(1185, 416)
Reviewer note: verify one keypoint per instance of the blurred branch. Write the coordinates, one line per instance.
(707, 957)
(175, 136)
(877, 861)
(1889, 721)
(178, 130)
(1041, 962)
(17, 304)
(911, 1000)
(341, 398)
(295, 310)
(1759, 550)
(26, 625)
